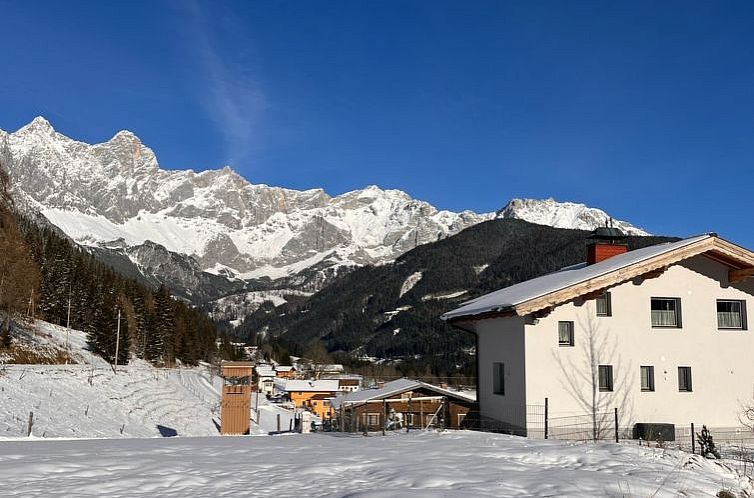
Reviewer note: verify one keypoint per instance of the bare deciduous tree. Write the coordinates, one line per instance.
(19, 274)
(580, 377)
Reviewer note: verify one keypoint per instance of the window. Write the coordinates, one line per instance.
(684, 379)
(606, 377)
(498, 378)
(373, 419)
(604, 307)
(647, 378)
(666, 312)
(731, 314)
(565, 333)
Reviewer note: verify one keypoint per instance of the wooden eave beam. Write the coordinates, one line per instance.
(735, 276)
(597, 284)
(653, 274)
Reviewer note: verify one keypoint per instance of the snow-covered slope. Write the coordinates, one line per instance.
(87, 399)
(562, 215)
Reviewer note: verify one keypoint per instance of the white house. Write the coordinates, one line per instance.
(661, 333)
(265, 379)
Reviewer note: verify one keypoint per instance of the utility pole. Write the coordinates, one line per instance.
(117, 343)
(68, 321)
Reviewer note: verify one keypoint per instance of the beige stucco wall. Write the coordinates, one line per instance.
(722, 361)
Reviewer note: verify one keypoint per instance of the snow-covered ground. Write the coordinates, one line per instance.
(130, 409)
(420, 464)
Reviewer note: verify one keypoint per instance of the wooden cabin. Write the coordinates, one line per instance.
(402, 403)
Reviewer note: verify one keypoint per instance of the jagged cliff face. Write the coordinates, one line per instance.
(116, 190)
(175, 226)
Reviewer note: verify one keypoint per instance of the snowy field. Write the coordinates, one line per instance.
(97, 433)
(421, 464)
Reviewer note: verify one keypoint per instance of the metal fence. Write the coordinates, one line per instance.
(540, 422)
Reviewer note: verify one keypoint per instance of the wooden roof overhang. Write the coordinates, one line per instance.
(739, 259)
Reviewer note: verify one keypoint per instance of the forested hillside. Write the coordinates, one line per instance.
(377, 312)
(42, 274)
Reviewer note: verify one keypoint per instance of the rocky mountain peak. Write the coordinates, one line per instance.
(116, 191)
(562, 215)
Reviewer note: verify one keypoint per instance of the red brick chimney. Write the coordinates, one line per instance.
(605, 244)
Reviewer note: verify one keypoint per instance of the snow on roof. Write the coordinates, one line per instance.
(392, 388)
(509, 297)
(281, 368)
(311, 386)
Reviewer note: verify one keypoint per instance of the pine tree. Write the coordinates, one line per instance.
(706, 444)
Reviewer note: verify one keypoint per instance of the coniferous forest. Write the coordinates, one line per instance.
(43, 274)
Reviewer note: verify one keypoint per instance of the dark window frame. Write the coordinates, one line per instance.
(605, 378)
(608, 304)
(677, 310)
(742, 313)
(685, 382)
(571, 334)
(650, 378)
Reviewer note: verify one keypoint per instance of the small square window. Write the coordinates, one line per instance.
(666, 312)
(684, 379)
(731, 314)
(606, 377)
(565, 334)
(647, 378)
(604, 307)
(498, 378)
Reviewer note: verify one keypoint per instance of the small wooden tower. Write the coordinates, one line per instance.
(235, 406)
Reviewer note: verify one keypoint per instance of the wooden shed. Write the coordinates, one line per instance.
(235, 406)
(403, 403)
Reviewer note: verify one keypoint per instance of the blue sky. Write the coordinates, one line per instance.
(645, 109)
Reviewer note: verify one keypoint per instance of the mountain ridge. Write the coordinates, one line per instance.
(115, 194)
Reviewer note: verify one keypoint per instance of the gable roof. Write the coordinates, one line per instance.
(324, 386)
(393, 388)
(574, 281)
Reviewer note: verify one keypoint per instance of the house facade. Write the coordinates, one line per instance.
(659, 333)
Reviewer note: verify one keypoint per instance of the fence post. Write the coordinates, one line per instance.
(616, 426)
(547, 418)
(31, 423)
(408, 414)
(693, 439)
(278, 423)
(384, 415)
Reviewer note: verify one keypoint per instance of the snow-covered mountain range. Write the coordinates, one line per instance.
(115, 195)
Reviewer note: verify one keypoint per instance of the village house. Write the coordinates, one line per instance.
(265, 379)
(401, 403)
(313, 395)
(285, 372)
(659, 333)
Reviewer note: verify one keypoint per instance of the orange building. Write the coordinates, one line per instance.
(285, 372)
(313, 395)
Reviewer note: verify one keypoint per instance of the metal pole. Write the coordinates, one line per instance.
(117, 343)
(616, 425)
(547, 418)
(693, 439)
(278, 423)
